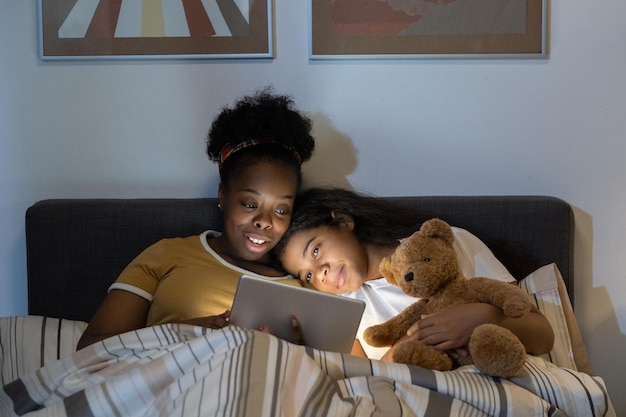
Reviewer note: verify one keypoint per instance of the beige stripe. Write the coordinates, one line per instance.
(246, 365)
(152, 24)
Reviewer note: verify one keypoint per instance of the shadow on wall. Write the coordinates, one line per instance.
(605, 345)
(596, 316)
(334, 157)
(583, 257)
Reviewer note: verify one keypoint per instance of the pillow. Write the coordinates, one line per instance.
(547, 288)
(29, 342)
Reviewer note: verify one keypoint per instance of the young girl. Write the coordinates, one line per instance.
(259, 146)
(336, 241)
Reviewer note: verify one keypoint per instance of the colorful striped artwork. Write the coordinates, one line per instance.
(155, 18)
(96, 29)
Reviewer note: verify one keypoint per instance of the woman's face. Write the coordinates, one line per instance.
(257, 208)
(329, 257)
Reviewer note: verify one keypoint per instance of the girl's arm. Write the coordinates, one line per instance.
(357, 349)
(451, 329)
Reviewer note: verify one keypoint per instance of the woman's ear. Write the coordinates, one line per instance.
(220, 196)
(343, 219)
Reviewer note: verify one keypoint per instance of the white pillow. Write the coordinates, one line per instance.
(476, 259)
(547, 288)
(29, 342)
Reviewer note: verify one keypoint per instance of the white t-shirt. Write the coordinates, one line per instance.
(384, 300)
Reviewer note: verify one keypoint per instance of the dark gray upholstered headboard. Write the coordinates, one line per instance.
(77, 247)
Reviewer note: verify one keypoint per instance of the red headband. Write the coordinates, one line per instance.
(227, 151)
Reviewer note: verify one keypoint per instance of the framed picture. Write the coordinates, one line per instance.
(116, 29)
(391, 29)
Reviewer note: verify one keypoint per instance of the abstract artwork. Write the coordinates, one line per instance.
(82, 29)
(427, 28)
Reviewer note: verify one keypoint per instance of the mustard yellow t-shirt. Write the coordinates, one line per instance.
(184, 278)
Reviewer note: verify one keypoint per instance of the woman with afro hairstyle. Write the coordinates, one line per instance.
(259, 145)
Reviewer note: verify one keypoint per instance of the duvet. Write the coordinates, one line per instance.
(184, 370)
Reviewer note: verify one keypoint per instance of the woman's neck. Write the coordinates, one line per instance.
(261, 266)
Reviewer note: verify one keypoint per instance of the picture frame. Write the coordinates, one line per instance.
(432, 29)
(184, 29)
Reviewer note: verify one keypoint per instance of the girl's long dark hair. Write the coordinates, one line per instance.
(377, 221)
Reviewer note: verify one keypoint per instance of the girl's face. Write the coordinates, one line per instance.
(329, 257)
(257, 209)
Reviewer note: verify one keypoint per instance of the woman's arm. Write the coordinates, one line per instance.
(451, 329)
(210, 322)
(120, 312)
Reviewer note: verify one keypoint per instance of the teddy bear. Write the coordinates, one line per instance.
(425, 265)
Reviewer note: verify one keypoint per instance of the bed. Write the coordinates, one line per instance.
(77, 247)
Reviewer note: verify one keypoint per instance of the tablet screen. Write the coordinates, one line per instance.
(329, 322)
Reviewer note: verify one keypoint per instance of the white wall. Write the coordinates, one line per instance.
(136, 129)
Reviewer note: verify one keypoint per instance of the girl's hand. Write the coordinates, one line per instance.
(450, 329)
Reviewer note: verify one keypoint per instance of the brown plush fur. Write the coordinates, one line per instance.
(425, 266)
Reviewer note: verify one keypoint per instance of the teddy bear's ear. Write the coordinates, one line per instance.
(438, 229)
(386, 269)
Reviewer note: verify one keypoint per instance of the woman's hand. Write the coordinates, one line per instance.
(297, 336)
(210, 322)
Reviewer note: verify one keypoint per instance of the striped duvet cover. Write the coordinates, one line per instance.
(184, 370)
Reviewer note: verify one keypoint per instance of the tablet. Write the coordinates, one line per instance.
(329, 322)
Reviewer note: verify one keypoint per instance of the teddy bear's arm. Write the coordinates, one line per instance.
(389, 332)
(510, 298)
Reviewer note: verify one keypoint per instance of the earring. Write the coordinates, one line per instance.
(219, 206)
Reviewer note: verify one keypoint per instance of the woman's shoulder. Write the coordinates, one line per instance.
(167, 247)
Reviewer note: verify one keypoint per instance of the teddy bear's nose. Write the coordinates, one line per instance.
(408, 277)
